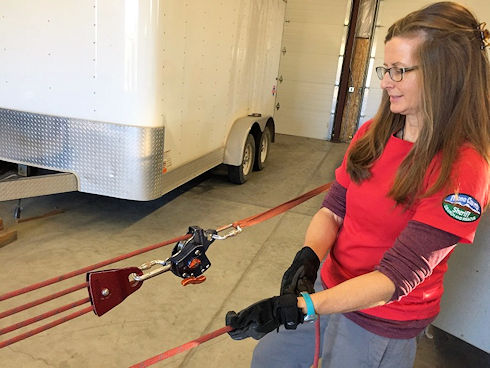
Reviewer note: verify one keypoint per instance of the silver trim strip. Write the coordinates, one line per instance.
(184, 173)
(108, 159)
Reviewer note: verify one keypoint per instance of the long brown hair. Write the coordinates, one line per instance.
(455, 100)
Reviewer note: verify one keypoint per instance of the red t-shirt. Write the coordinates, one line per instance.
(372, 223)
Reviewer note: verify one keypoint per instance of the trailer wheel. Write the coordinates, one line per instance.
(262, 152)
(239, 174)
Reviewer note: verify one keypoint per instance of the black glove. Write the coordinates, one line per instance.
(301, 275)
(264, 316)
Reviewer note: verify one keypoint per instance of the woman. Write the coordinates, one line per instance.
(413, 184)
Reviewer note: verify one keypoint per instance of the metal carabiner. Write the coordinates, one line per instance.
(236, 230)
(146, 266)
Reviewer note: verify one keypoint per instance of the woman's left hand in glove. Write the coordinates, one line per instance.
(264, 316)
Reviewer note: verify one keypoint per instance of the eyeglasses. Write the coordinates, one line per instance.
(396, 73)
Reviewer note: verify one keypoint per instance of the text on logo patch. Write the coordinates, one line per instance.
(462, 207)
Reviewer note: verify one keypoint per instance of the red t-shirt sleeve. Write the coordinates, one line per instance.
(457, 208)
(341, 174)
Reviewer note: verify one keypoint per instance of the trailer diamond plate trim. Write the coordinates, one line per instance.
(108, 159)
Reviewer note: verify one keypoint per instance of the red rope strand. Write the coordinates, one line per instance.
(253, 220)
(316, 358)
(45, 327)
(40, 317)
(90, 268)
(182, 348)
(42, 300)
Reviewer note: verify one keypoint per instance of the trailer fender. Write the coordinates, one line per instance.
(238, 135)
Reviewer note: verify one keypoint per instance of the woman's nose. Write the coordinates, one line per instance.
(386, 82)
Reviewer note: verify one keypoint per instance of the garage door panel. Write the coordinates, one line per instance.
(305, 123)
(313, 34)
(313, 11)
(314, 38)
(308, 96)
(314, 68)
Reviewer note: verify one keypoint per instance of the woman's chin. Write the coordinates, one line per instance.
(396, 110)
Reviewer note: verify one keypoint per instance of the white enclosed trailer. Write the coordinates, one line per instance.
(131, 98)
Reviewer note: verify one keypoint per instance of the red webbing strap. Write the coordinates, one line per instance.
(182, 348)
(253, 220)
(45, 299)
(40, 317)
(90, 268)
(45, 327)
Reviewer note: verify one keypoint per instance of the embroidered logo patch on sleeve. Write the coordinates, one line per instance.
(462, 207)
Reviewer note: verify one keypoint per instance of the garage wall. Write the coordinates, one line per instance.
(466, 301)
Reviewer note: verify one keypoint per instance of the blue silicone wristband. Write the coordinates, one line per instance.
(310, 308)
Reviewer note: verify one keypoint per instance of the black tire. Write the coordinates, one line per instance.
(239, 174)
(262, 152)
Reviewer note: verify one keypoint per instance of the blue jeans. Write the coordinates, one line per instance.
(343, 344)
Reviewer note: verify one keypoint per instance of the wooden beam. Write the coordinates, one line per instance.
(344, 75)
(7, 237)
(354, 69)
(47, 214)
(352, 110)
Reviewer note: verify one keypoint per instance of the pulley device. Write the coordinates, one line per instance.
(109, 288)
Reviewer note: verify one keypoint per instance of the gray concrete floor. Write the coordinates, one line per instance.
(163, 314)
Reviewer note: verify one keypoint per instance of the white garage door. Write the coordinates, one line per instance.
(313, 34)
